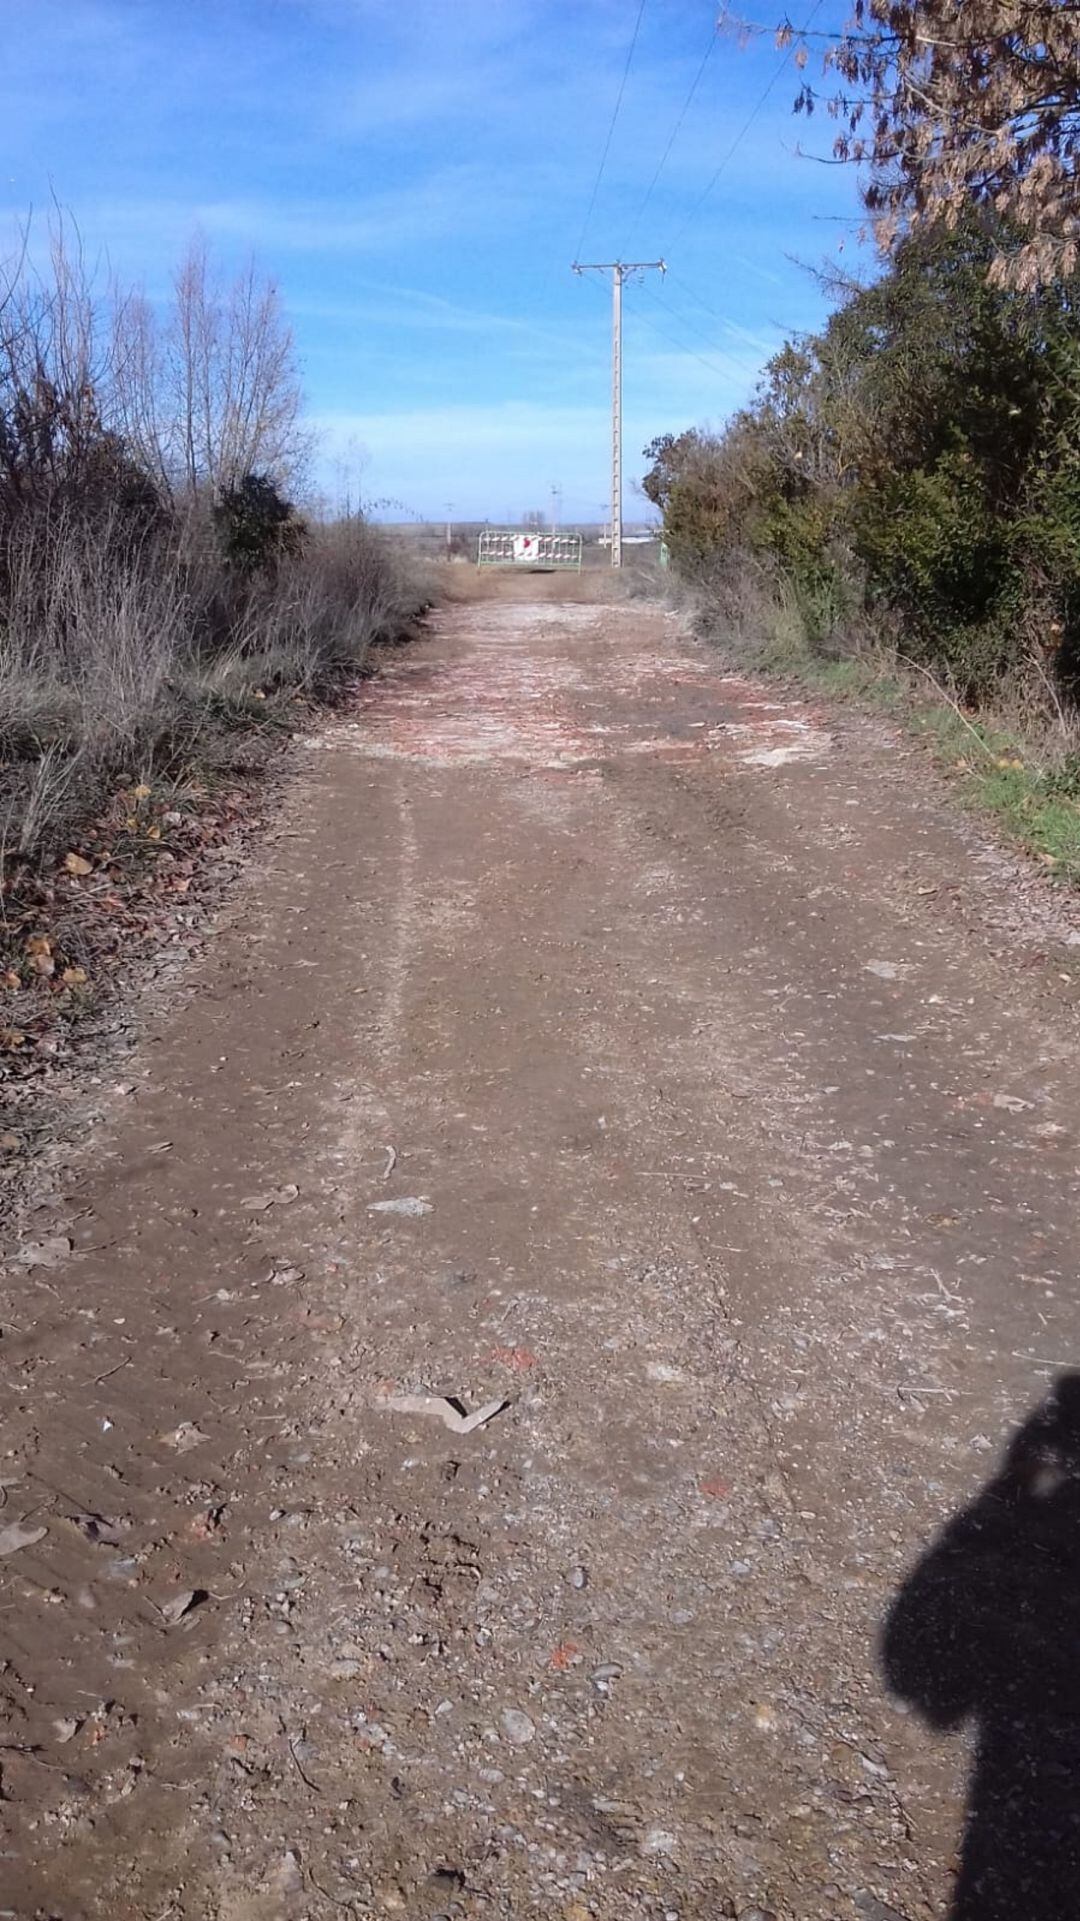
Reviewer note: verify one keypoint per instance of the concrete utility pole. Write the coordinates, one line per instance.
(620, 271)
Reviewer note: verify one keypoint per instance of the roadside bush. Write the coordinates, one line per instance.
(916, 465)
(256, 525)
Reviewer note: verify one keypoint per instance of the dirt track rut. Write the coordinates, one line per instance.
(731, 1087)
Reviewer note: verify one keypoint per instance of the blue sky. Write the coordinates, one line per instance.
(415, 177)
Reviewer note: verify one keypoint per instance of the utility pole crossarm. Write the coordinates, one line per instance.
(625, 267)
(620, 271)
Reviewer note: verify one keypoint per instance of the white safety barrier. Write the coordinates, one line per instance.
(549, 552)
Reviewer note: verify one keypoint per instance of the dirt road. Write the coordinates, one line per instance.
(613, 1042)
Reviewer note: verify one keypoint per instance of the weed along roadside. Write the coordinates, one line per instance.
(1014, 773)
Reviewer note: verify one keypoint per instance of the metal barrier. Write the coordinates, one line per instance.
(548, 553)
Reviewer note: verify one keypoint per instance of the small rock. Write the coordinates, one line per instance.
(518, 1728)
(17, 1535)
(659, 1841)
(184, 1437)
(47, 1253)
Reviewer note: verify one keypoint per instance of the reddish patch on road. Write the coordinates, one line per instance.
(502, 691)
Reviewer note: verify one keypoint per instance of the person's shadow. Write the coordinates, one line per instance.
(987, 1629)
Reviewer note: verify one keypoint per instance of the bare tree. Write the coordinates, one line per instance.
(214, 393)
(231, 366)
(138, 387)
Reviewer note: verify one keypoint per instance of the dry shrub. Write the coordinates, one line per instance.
(155, 580)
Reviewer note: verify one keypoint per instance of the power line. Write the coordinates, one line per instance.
(675, 132)
(661, 334)
(746, 126)
(691, 326)
(610, 132)
(681, 346)
(731, 327)
(698, 301)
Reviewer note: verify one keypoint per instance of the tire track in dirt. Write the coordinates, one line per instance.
(750, 1178)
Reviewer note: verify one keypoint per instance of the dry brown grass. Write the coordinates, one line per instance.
(119, 653)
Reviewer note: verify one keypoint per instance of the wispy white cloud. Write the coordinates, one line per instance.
(383, 304)
(438, 205)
